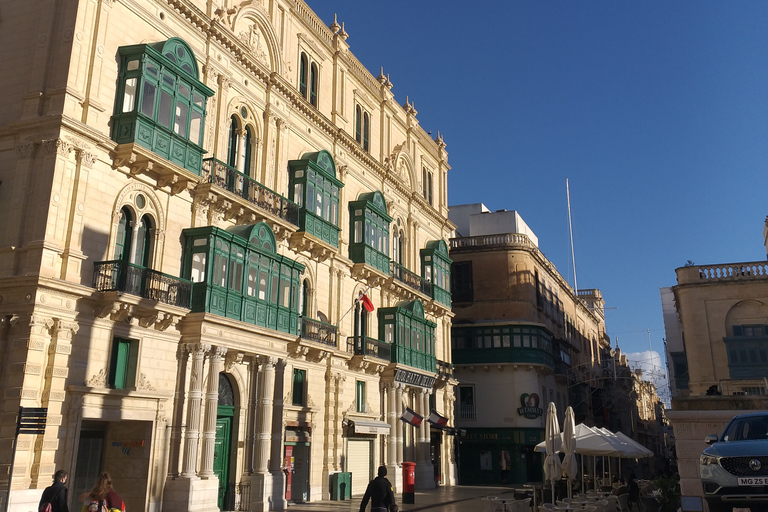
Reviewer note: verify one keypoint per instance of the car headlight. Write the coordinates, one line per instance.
(708, 460)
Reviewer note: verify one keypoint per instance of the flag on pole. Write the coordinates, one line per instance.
(367, 304)
(409, 416)
(436, 419)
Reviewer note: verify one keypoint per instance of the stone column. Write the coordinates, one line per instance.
(264, 437)
(399, 391)
(174, 453)
(211, 411)
(393, 419)
(253, 404)
(192, 438)
(423, 452)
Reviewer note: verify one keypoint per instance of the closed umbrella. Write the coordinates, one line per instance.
(570, 468)
(552, 439)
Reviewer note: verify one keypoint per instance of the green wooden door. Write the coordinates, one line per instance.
(221, 456)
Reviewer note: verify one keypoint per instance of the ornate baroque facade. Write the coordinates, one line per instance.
(196, 196)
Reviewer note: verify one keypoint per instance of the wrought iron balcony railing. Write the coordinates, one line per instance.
(444, 370)
(320, 332)
(410, 279)
(121, 276)
(369, 347)
(222, 175)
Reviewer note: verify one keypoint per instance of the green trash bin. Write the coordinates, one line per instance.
(341, 486)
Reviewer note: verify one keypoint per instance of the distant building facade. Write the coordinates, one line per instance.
(521, 338)
(716, 321)
(196, 195)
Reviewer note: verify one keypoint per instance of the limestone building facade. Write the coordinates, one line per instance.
(716, 322)
(522, 337)
(223, 261)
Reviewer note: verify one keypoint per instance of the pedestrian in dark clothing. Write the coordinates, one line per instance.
(380, 493)
(634, 491)
(56, 494)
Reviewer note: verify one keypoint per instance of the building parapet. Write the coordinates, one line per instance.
(749, 271)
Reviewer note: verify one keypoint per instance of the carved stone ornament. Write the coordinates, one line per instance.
(252, 39)
(144, 384)
(99, 380)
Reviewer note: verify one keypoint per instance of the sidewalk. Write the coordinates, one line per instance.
(443, 499)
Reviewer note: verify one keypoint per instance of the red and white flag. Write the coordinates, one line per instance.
(367, 304)
(436, 419)
(409, 416)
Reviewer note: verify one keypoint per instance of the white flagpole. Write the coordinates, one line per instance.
(570, 229)
(354, 304)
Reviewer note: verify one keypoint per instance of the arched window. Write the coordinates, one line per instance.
(142, 255)
(366, 130)
(313, 82)
(245, 152)
(233, 142)
(303, 69)
(358, 124)
(305, 298)
(124, 235)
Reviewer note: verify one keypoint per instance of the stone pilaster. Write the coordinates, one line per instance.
(264, 437)
(192, 438)
(174, 452)
(211, 409)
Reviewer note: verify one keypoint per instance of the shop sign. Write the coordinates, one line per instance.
(414, 379)
(530, 406)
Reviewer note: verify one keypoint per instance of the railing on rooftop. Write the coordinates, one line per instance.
(749, 271)
(222, 175)
(121, 276)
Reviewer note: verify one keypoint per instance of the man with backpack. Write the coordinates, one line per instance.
(54, 498)
(379, 492)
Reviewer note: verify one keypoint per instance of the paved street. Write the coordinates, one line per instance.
(443, 499)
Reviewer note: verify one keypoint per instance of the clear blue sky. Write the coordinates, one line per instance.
(656, 111)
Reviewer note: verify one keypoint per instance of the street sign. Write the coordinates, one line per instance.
(32, 420)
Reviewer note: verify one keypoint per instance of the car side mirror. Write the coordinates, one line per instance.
(711, 439)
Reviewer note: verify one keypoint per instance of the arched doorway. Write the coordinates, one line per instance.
(225, 419)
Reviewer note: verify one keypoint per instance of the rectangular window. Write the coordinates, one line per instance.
(180, 120)
(148, 100)
(360, 396)
(358, 231)
(129, 98)
(164, 112)
(461, 281)
(198, 267)
(299, 386)
(467, 402)
(122, 364)
(195, 124)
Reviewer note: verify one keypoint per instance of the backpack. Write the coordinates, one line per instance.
(94, 506)
(44, 507)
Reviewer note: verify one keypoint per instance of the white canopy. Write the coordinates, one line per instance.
(600, 442)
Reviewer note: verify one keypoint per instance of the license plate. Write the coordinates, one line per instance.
(759, 480)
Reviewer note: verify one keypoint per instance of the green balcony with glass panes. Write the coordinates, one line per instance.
(237, 274)
(313, 186)
(485, 344)
(410, 335)
(160, 102)
(436, 269)
(369, 228)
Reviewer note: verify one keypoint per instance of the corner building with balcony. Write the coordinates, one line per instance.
(196, 196)
(521, 337)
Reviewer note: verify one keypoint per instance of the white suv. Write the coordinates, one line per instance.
(734, 468)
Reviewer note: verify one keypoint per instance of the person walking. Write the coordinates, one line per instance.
(103, 497)
(55, 494)
(380, 493)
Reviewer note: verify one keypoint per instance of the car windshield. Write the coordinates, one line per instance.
(741, 429)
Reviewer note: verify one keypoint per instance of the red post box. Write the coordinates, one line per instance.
(409, 482)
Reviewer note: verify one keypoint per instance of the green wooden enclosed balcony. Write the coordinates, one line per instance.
(496, 344)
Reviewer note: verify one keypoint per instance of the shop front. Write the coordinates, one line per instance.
(499, 456)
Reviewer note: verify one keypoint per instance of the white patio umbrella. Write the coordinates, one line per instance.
(552, 441)
(570, 468)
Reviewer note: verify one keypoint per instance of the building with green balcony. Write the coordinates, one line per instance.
(237, 274)
(313, 186)
(411, 336)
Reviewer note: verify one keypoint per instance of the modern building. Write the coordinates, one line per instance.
(522, 337)
(223, 260)
(716, 322)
